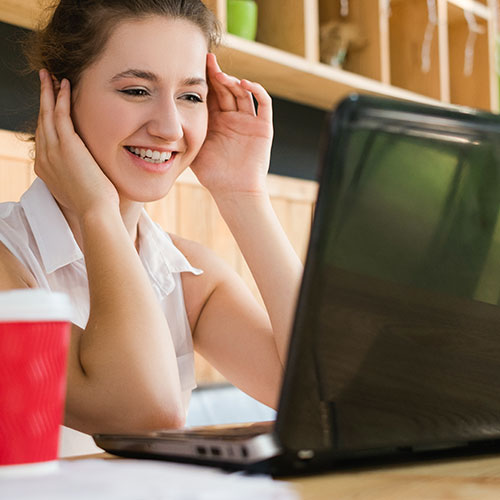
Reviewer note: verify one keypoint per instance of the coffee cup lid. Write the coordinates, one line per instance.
(34, 304)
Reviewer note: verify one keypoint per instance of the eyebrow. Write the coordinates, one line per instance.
(152, 77)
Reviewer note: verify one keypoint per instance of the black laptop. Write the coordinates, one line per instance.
(395, 347)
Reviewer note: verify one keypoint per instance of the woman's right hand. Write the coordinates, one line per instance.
(62, 160)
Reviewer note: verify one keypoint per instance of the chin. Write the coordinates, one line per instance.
(145, 193)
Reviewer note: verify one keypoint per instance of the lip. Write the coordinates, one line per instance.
(155, 168)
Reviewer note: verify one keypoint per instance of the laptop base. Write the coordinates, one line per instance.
(283, 466)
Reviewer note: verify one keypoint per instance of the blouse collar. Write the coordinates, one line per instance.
(58, 247)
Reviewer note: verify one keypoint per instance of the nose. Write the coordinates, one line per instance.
(165, 121)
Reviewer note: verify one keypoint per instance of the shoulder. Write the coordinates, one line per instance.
(201, 257)
(6, 208)
(12, 273)
(197, 290)
(14, 226)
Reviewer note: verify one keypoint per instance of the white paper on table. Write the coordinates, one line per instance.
(99, 479)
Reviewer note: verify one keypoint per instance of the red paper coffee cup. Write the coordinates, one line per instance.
(34, 340)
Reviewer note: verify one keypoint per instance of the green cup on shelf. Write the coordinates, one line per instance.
(242, 18)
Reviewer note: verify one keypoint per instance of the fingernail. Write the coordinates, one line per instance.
(64, 83)
(41, 74)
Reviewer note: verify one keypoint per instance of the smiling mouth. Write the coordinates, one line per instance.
(150, 155)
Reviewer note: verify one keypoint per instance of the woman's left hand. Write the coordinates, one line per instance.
(235, 155)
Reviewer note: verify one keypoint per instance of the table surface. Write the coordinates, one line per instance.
(475, 478)
(471, 478)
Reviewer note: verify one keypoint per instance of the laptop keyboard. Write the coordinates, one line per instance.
(232, 431)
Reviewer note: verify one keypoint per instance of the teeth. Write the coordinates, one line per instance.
(150, 155)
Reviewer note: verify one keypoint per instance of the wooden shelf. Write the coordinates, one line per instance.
(293, 77)
(285, 60)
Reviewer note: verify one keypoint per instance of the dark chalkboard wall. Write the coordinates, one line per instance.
(18, 89)
(297, 127)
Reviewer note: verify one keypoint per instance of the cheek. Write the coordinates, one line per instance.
(198, 130)
(98, 124)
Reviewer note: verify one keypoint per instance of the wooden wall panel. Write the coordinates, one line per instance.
(188, 211)
(16, 171)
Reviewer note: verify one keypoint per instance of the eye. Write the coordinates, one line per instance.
(135, 92)
(192, 98)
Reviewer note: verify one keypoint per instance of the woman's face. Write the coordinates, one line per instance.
(141, 107)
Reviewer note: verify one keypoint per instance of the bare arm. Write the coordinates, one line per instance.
(122, 372)
(275, 266)
(249, 345)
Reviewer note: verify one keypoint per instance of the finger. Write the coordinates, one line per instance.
(46, 114)
(243, 97)
(62, 112)
(40, 148)
(40, 142)
(264, 101)
(212, 99)
(225, 97)
(56, 85)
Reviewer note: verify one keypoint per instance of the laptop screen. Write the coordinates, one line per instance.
(397, 336)
(419, 206)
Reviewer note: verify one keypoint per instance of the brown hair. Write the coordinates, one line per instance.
(78, 30)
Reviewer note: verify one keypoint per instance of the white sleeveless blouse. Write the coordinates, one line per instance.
(37, 233)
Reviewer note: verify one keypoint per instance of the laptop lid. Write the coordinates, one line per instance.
(396, 342)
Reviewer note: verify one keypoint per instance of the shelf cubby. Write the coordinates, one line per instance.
(408, 24)
(468, 89)
(363, 19)
(290, 36)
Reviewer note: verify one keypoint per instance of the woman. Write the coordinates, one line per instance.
(130, 97)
